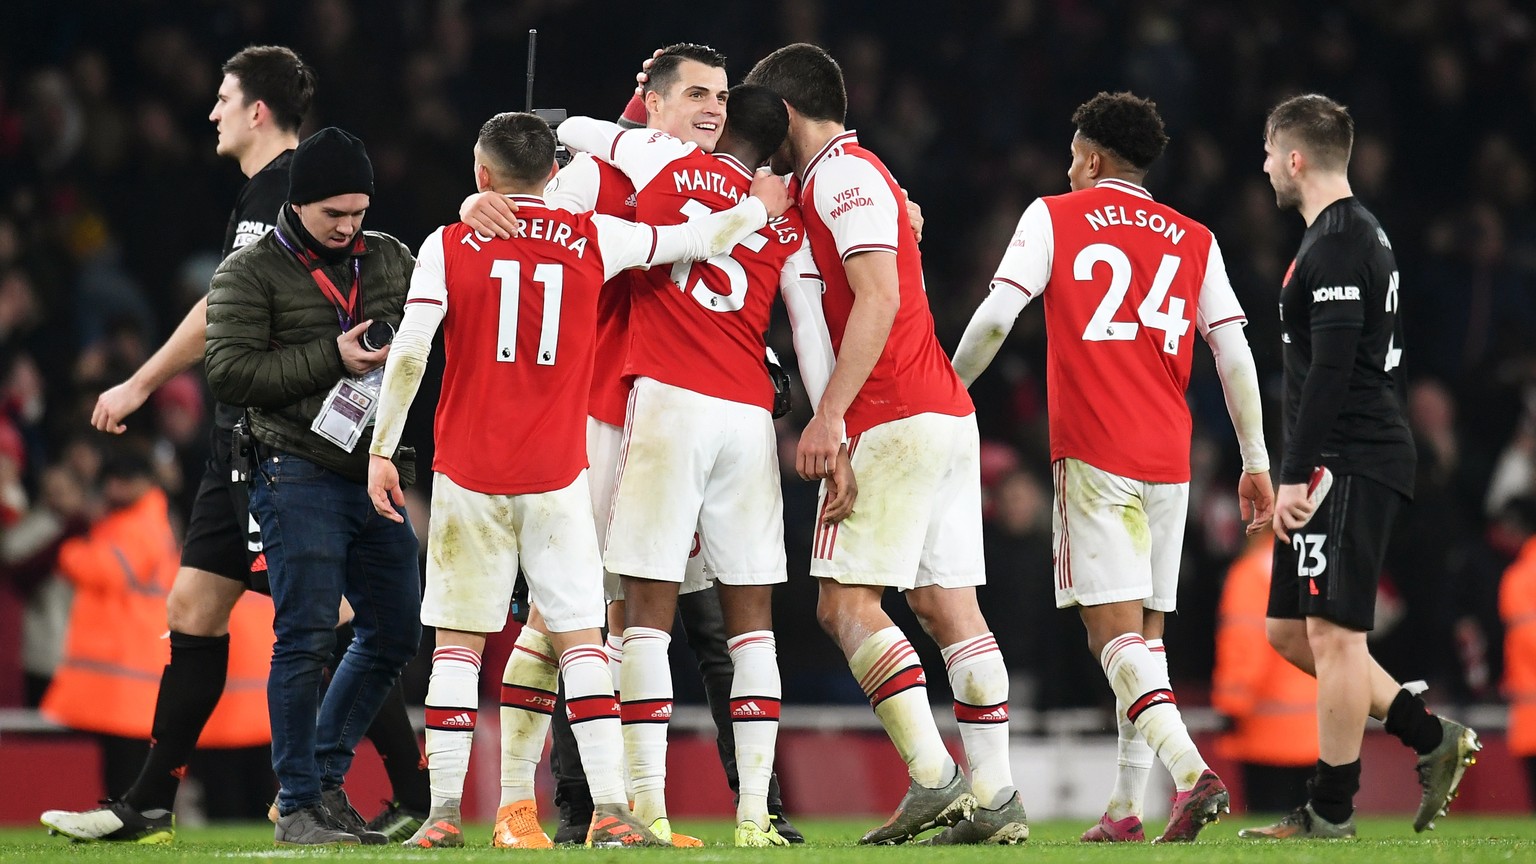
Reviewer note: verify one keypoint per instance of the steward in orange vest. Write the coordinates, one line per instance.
(1517, 606)
(122, 570)
(1273, 705)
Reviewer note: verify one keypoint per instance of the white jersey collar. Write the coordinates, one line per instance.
(1125, 186)
(832, 148)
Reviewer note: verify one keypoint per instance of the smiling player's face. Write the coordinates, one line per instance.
(693, 108)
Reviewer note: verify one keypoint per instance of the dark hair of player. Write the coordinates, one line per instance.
(758, 120)
(807, 78)
(275, 76)
(1316, 125)
(519, 148)
(1126, 125)
(664, 69)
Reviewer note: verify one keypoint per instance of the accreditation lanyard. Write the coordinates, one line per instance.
(346, 307)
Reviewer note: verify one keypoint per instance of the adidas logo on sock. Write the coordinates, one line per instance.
(998, 714)
(462, 720)
(748, 709)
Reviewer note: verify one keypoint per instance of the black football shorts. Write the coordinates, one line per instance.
(1330, 568)
(219, 534)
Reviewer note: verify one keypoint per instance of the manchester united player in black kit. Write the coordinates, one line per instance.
(261, 103)
(1343, 351)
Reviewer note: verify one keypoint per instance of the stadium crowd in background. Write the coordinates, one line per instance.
(112, 208)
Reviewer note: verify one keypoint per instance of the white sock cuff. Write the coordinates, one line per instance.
(640, 636)
(457, 656)
(1115, 650)
(752, 641)
(614, 646)
(582, 654)
(967, 652)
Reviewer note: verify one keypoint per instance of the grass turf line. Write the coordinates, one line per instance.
(1387, 840)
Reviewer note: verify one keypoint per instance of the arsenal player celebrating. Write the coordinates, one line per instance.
(697, 351)
(912, 442)
(1125, 276)
(510, 487)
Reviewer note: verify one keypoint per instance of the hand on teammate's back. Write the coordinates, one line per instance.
(491, 214)
(771, 190)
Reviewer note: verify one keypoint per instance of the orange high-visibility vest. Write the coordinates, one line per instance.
(113, 655)
(1273, 704)
(115, 652)
(1517, 606)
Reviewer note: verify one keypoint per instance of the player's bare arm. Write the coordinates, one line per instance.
(179, 353)
(872, 276)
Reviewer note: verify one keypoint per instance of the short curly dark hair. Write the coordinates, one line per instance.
(1125, 124)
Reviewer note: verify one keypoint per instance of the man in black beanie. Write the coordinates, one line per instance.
(286, 316)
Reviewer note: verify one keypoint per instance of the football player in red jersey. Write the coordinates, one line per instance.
(697, 351)
(1125, 276)
(896, 415)
(510, 473)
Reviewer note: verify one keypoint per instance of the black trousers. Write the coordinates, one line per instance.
(704, 628)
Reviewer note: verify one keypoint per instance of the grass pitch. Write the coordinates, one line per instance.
(1382, 841)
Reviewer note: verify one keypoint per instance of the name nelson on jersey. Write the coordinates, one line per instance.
(1115, 214)
(536, 229)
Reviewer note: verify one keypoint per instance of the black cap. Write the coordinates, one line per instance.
(328, 163)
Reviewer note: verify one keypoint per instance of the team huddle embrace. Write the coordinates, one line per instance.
(605, 430)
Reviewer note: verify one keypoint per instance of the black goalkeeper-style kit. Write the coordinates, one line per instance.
(1343, 408)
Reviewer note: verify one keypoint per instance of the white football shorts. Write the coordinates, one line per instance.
(1115, 539)
(604, 444)
(917, 520)
(477, 542)
(695, 470)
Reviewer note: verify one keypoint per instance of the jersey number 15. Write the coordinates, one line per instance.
(1103, 327)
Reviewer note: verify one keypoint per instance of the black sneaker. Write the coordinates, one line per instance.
(778, 820)
(346, 817)
(311, 826)
(114, 821)
(396, 821)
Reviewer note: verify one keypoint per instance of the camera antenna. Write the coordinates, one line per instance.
(533, 46)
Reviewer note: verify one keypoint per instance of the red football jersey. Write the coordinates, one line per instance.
(591, 184)
(700, 325)
(1125, 275)
(852, 204)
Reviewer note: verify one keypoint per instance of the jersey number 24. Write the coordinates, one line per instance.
(1103, 327)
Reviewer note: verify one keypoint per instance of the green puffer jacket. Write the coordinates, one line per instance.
(272, 340)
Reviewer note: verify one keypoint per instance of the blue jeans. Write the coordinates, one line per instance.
(323, 540)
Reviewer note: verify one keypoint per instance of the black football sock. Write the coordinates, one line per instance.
(395, 739)
(1333, 790)
(1409, 719)
(190, 688)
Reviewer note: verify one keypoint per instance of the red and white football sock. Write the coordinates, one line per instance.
(527, 701)
(755, 694)
(1134, 756)
(594, 714)
(646, 683)
(980, 684)
(1141, 682)
(453, 706)
(890, 674)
